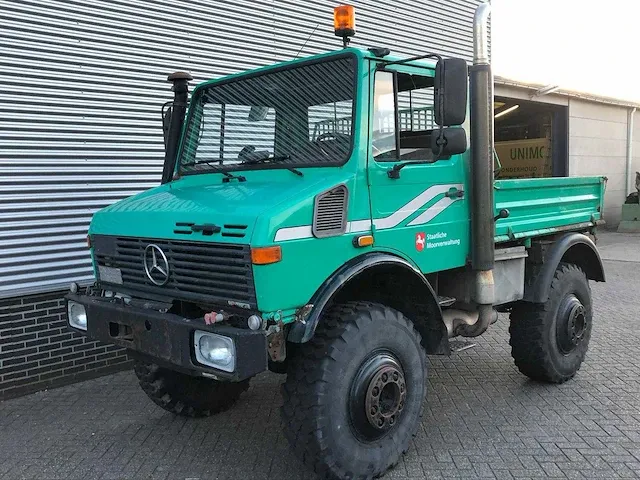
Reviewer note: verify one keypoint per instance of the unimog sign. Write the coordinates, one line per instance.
(529, 158)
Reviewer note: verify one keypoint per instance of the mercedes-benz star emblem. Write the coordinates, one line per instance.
(156, 265)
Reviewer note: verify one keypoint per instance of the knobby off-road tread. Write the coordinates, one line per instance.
(304, 399)
(185, 395)
(531, 347)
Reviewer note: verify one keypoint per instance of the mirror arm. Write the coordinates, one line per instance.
(394, 172)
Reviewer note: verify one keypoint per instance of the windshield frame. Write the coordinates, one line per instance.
(204, 168)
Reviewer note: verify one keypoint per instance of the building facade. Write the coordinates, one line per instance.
(83, 83)
(589, 135)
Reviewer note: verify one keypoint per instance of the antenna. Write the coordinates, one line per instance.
(307, 40)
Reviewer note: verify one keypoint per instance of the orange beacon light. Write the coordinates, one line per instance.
(344, 22)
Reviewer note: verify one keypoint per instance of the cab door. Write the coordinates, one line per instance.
(424, 213)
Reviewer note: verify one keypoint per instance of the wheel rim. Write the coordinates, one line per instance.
(572, 324)
(378, 396)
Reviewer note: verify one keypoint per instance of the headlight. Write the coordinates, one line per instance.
(77, 315)
(215, 350)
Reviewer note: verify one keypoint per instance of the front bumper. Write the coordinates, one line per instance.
(167, 339)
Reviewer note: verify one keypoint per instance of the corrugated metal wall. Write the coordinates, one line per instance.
(82, 82)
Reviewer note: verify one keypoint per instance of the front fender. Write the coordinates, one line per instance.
(301, 333)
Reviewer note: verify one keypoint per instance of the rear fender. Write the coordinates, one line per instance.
(574, 248)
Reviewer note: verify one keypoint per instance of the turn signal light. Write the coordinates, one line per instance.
(88, 241)
(266, 255)
(344, 20)
(363, 241)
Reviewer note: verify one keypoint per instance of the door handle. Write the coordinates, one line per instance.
(454, 193)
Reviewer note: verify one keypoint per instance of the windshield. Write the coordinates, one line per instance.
(299, 116)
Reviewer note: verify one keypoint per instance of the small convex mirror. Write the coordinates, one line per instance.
(450, 91)
(452, 142)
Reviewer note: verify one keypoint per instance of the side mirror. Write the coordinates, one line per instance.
(450, 91)
(452, 141)
(258, 113)
(166, 120)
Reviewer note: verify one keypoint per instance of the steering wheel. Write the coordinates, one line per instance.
(329, 135)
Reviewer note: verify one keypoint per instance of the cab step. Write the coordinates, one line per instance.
(446, 301)
(461, 345)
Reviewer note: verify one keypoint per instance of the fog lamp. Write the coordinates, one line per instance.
(77, 315)
(214, 350)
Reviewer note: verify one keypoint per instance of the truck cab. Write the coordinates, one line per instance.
(336, 218)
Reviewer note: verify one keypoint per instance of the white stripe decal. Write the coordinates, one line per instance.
(433, 211)
(393, 220)
(359, 226)
(294, 233)
(412, 207)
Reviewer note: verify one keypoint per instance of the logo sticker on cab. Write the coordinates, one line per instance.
(420, 241)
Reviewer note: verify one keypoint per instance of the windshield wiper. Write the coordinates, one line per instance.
(273, 159)
(216, 168)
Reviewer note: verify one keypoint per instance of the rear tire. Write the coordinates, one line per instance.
(185, 395)
(354, 393)
(549, 341)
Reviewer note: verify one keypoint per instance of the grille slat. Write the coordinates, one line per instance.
(212, 273)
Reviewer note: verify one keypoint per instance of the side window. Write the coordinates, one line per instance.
(412, 116)
(384, 118)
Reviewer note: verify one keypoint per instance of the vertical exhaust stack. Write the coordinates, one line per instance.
(180, 89)
(482, 206)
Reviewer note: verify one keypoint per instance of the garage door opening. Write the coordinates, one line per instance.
(530, 139)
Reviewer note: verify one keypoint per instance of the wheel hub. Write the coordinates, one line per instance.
(378, 396)
(385, 397)
(572, 323)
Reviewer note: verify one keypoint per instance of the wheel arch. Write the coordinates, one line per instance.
(575, 248)
(399, 285)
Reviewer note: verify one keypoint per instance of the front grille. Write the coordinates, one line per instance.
(211, 273)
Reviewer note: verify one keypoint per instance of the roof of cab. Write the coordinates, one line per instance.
(361, 53)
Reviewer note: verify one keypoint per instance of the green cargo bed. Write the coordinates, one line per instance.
(543, 206)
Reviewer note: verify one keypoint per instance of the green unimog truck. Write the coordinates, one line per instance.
(326, 218)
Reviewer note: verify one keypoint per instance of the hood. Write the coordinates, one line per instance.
(170, 211)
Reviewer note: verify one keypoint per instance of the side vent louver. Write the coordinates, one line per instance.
(330, 212)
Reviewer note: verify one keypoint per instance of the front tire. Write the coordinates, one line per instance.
(354, 393)
(185, 395)
(549, 341)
